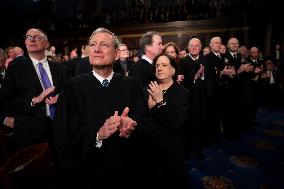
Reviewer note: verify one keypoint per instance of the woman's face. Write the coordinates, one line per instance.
(164, 69)
(171, 51)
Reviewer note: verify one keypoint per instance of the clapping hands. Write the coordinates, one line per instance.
(124, 124)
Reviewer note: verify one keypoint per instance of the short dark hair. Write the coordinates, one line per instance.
(147, 39)
(172, 62)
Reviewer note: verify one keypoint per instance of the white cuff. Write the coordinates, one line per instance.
(99, 142)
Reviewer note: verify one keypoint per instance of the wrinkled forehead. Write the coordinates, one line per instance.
(36, 32)
(163, 59)
(194, 42)
(233, 41)
(102, 36)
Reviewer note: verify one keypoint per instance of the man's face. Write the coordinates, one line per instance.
(194, 47)
(52, 49)
(223, 49)
(102, 51)
(124, 52)
(233, 45)
(254, 53)
(156, 47)
(244, 51)
(182, 54)
(215, 44)
(35, 41)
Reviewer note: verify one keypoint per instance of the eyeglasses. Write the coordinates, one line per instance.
(35, 37)
(102, 45)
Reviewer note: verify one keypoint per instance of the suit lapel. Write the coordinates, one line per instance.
(34, 77)
(54, 73)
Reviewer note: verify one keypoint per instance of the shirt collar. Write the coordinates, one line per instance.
(147, 59)
(100, 78)
(217, 54)
(35, 61)
(254, 60)
(192, 57)
(233, 53)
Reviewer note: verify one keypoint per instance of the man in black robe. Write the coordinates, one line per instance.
(193, 68)
(97, 113)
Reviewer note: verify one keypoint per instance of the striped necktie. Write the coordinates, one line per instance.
(105, 83)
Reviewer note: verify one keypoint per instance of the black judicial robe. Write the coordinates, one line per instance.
(83, 107)
(171, 120)
(197, 130)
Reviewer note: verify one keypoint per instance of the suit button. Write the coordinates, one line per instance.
(43, 108)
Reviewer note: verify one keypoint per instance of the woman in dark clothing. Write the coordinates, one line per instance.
(169, 104)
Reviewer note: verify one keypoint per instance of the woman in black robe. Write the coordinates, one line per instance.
(169, 104)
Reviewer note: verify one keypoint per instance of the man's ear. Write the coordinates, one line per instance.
(47, 45)
(117, 54)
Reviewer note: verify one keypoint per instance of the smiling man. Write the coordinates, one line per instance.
(26, 97)
(98, 113)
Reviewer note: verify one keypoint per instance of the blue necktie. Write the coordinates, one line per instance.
(46, 84)
(105, 83)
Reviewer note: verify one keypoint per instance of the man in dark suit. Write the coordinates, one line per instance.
(82, 65)
(123, 65)
(232, 93)
(214, 66)
(25, 94)
(151, 45)
(255, 87)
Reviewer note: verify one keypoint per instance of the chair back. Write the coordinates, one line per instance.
(28, 168)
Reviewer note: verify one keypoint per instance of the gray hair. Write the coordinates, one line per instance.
(147, 39)
(104, 30)
(43, 33)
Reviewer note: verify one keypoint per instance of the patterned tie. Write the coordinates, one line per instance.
(105, 83)
(46, 84)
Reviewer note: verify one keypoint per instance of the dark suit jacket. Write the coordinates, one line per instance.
(83, 66)
(118, 68)
(21, 84)
(214, 66)
(142, 72)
